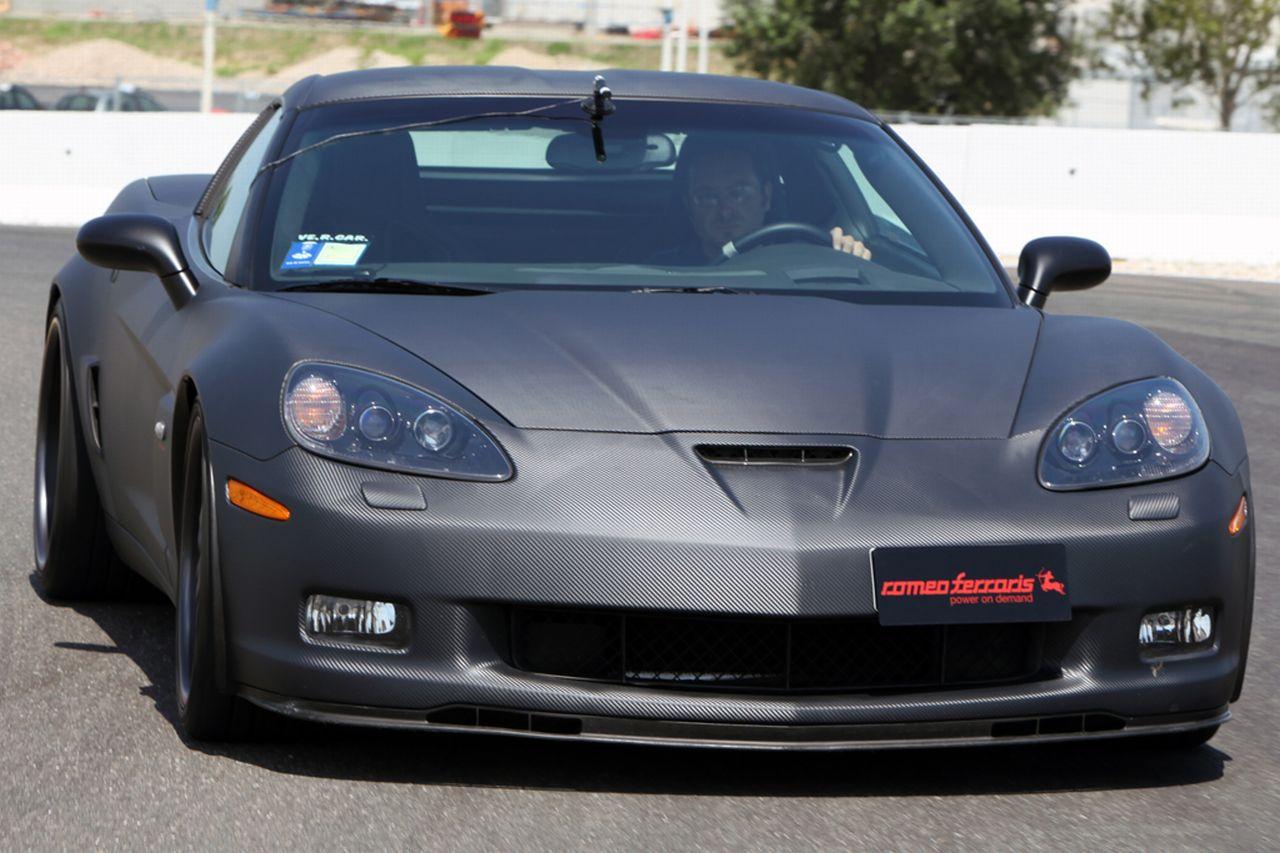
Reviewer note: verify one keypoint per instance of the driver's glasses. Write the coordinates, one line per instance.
(734, 196)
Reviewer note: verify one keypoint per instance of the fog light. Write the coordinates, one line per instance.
(1197, 625)
(1189, 626)
(379, 622)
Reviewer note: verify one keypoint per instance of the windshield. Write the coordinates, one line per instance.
(690, 197)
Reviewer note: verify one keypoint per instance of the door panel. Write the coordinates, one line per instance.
(132, 382)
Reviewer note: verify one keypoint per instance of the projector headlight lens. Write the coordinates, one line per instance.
(1077, 442)
(1143, 431)
(377, 423)
(1128, 436)
(361, 417)
(433, 429)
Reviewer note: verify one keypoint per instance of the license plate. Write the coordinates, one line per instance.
(967, 585)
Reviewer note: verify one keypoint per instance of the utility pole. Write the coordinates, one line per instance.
(704, 35)
(666, 39)
(206, 84)
(682, 38)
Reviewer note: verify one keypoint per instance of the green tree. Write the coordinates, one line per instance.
(1226, 48)
(965, 57)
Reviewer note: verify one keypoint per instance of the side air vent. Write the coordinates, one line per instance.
(95, 432)
(773, 454)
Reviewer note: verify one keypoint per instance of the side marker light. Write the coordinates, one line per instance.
(251, 500)
(1240, 518)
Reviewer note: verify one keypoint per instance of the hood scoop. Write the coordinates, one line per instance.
(809, 484)
(764, 454)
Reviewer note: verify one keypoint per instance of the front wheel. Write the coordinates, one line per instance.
(74, 559)
(206, 712)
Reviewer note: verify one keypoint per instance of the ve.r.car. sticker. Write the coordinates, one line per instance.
(320, 253)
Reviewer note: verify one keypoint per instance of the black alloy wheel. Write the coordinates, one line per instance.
(206, 712)
(73, 556)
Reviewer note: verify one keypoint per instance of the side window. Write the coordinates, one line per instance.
(227, 208)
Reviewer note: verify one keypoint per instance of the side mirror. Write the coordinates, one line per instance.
(1060, 263)
(142, 242)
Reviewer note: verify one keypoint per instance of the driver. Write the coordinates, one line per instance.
(727, 192)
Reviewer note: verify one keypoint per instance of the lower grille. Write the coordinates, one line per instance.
(800, 655)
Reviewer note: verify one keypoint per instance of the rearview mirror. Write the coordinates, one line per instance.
(1060, 263)
(141, 242)
(576, 152)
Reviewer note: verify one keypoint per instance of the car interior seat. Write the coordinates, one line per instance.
(368, 186)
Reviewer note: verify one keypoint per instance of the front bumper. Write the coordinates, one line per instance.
(639, 523)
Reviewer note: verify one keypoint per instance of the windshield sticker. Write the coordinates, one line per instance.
(317, 253)
(334, 238)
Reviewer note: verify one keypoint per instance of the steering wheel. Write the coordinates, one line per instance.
(786, 230)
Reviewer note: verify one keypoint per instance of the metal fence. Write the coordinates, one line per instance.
(1105, 102)
(616, 16)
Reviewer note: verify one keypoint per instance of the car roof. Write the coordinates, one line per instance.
(491, 81)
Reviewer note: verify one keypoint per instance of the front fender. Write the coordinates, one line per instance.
(239, 344)
(1078, 357)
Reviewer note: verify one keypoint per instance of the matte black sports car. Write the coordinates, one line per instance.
(654, 408)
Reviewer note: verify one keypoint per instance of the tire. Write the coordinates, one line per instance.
(206, 713)
(74, 558)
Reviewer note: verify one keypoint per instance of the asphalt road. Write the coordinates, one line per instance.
(90, 755)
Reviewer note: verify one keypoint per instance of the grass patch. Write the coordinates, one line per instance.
(488, 50)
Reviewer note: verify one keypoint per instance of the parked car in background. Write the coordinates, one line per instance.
(124, 98)
(15, 97)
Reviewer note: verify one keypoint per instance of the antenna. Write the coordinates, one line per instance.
(597, 107)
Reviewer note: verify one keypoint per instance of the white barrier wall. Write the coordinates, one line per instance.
(61, 168)
(1144, 194)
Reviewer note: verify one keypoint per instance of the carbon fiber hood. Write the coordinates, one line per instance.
(715, 363)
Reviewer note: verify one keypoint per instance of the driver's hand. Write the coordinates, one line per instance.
(843, 242)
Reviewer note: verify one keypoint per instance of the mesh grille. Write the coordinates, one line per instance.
(863, 654)
(706, 651)
(975, 650)
(582, 644)
(768, 654)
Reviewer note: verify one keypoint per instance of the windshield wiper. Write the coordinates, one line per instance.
(714, 288)
(388, 285)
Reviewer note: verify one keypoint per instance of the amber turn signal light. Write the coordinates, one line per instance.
(251, 500)
(1240, 518)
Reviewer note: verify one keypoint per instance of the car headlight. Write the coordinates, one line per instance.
(361, 417)
(1146, 430)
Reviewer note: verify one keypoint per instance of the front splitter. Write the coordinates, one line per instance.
(917, 735)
